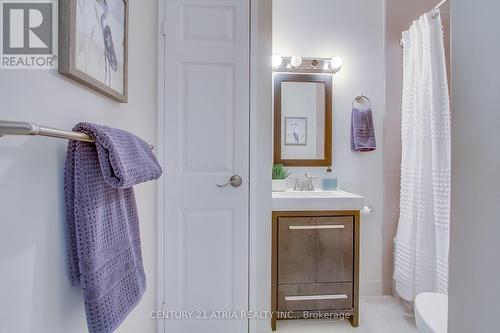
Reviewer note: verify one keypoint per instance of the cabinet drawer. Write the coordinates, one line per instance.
(315, 297)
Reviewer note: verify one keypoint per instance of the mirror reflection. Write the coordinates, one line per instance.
(303, 119)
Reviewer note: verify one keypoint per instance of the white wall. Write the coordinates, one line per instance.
(35, 293)
(354, 30)
(475, 227)
(260, 161)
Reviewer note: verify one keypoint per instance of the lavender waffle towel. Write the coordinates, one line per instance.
(362, 131)
(104, 244)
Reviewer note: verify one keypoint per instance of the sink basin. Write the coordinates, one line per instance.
(316, 200)
(314, 194)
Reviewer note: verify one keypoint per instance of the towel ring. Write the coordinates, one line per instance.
(360, 98)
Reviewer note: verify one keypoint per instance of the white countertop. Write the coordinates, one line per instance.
(316, 200)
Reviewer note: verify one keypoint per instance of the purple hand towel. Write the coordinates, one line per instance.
(104, 245)
(362, 131)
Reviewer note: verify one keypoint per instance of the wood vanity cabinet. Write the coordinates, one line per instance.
(315, 265)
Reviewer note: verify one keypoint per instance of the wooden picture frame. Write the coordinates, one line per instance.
(326, 79)
(68, 52)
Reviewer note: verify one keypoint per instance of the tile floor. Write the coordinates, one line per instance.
(380, 314)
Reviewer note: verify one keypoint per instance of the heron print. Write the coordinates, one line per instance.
(100, 38)
(296, 131)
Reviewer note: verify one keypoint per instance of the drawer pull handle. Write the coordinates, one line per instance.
(316, 227)
(333, 226)
(315, 297)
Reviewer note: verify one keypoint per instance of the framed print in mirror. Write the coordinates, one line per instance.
(93, 44)
(296, 131)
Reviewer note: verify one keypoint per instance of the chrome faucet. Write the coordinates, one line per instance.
(307, 183)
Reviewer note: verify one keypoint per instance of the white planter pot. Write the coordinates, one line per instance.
(280, 185)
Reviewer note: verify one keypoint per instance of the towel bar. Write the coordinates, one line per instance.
(26, 128)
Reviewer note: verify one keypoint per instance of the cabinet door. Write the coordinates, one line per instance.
(296, 250)
(335, 248)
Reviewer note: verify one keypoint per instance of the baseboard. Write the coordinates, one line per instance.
(371, 288)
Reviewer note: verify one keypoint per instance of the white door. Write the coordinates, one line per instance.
(207, 142)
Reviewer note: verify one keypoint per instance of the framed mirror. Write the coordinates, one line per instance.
(302, 119)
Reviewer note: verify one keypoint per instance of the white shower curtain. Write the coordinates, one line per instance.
(422, 241)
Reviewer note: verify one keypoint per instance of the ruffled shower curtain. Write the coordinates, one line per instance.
(422, 241)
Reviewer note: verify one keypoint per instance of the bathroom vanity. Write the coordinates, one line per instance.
(315, 255)
(315, 234)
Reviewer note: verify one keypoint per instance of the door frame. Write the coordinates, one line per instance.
(259, 289)
(161, 156)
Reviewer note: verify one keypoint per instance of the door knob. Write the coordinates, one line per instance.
(234, 181)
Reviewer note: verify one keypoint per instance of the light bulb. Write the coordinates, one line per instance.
(277, 60)
(296, 61)
(336, 63)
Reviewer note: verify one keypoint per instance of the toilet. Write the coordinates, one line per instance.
(431, 313)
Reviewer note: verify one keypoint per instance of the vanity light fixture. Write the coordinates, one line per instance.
(298, 64)
(296, 61)
(336, 63)
(277, 60)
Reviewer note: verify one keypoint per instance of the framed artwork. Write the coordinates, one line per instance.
(93, 44)
(295, 131)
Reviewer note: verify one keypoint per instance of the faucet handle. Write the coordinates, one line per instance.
(310, 185)
(297, 185)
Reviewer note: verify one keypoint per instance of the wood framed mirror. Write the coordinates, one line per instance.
(303, 119)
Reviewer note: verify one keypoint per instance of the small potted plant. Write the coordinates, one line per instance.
(280, 175)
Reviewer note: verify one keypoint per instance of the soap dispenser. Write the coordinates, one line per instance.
(329, 180)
